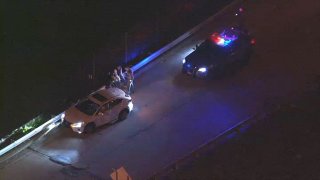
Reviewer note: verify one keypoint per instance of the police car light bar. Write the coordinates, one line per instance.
(222, 39)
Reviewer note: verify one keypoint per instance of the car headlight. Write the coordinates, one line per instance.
(77, 125)
(183, 61)
(63, 115)
(130, 105)
(203, 69)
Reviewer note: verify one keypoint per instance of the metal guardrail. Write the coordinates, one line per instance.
(134, 68)
(30, 135)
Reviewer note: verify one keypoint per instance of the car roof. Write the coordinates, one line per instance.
(106, 94)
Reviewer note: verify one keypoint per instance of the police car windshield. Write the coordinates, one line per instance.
(213, 48)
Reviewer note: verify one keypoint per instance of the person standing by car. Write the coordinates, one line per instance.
(115, 79)
(109, 80)
(120, 73)
(129, 80)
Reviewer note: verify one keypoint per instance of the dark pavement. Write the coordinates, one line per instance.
(283, 146)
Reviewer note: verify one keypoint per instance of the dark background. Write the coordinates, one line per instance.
(51, 47)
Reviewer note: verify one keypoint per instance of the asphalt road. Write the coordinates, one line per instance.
(175, 114)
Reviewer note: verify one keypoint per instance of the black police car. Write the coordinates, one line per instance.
(221, 52)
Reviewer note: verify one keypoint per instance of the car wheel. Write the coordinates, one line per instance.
(90, 128)
(123, 115)
(65, 124)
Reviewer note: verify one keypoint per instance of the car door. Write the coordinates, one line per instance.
(103, 116)
(115, 108)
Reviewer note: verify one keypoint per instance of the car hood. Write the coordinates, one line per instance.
(73, 115)
(199, 58)
(204, 58)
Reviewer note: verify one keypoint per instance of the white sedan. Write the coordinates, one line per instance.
(99, 108)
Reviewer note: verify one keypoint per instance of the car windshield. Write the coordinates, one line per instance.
(215, 49)
(88, 107)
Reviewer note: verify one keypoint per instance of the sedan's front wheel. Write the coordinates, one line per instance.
(90, 128)
(123, 115)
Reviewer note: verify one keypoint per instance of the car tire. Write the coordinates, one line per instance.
(90, 128)
(123, 115)
(65, 124)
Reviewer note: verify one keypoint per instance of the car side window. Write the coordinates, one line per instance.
(113, 103)
(104, 108)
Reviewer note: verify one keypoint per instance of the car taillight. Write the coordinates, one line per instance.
(253, 41)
